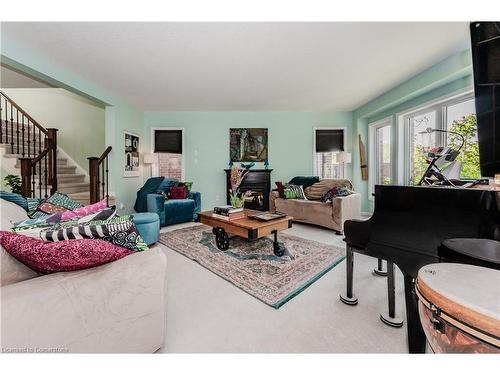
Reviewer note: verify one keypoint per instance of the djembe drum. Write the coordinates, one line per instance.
(459, 307)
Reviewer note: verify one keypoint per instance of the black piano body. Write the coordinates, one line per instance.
(408, 226)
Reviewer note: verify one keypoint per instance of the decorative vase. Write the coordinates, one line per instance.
(237, 201)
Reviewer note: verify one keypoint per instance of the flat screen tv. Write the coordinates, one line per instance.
(485, 40)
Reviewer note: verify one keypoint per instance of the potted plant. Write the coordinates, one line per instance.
(236, 197)
(14, 182)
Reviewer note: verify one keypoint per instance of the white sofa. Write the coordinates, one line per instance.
(118, 307)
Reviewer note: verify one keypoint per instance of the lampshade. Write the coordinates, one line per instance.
(150, 158)
(344, 157)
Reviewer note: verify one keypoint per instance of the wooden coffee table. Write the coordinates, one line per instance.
(251, 229)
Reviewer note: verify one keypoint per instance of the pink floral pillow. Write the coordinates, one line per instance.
(71, 255)
(84, 211)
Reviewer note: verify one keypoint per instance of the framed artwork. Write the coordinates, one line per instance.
(248, 144)
(131, 162)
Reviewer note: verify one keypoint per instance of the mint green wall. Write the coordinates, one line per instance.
(207, 143)
(119, 116)
(448, 76)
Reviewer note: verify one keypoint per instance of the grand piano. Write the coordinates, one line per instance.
(407, 229)
(410, 223)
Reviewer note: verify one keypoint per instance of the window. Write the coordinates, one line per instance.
(328, 142)
(380, 159)
(168, 145)
(456, 114)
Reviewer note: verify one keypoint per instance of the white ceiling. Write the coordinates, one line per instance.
(244, 66)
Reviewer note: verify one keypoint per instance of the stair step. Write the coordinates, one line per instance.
(71, 178)
(66, 169)
(61, 162)
(72, 187)
(84, 198)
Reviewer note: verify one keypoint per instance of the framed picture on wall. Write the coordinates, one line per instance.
(131, 161)
(248, 144)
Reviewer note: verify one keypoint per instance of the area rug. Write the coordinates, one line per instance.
(252, 265)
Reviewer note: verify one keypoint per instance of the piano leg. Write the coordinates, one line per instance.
(416, 335)
(379, 271)
(349, 298)
(391, 319)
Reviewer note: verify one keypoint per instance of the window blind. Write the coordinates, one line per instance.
(329, 140)
(168, 141)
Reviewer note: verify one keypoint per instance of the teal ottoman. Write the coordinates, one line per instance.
(148, 225)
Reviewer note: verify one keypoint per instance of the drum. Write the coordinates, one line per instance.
(459, 307)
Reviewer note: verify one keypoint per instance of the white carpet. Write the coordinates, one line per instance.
(206, 314)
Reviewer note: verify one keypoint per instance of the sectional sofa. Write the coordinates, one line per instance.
(118, 307)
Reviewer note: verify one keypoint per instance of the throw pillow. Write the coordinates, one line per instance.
(78, 212)
(188, 184)
(297, 189)
(344, 192)
(336, 192)
(120, 231)
(329, 194)
(105, 214)
(50, 208)
(33, 203)
(57, 202)
(178, 192)
(281, 189)
(49, 257)
(289, 194)
(62, 200)
(14, 198)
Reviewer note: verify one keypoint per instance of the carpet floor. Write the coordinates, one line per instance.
(252, 265)
(207, 314)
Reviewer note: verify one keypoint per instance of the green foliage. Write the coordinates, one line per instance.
(469, 154)
(419, 163)
(14, 182)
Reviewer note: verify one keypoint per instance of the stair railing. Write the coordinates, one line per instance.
(99, 177)
(35, 145)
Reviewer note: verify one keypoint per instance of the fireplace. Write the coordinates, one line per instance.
(258, 181)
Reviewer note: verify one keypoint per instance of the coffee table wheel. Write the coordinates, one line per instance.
(221, 239)
(214, 231)
(279, 249)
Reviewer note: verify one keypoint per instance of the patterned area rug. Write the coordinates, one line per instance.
(252, 266)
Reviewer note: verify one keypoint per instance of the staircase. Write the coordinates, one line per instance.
(46, 167)
(69, 180)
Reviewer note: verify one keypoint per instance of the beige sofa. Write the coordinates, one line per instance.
(118, 307)
(312, 211)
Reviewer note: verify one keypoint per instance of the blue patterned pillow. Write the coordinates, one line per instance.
(14, 198)
(33, 203)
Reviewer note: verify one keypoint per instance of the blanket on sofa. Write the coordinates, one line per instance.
(151, 186)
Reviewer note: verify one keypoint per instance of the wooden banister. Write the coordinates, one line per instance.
(99, 177)
(36, 146)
